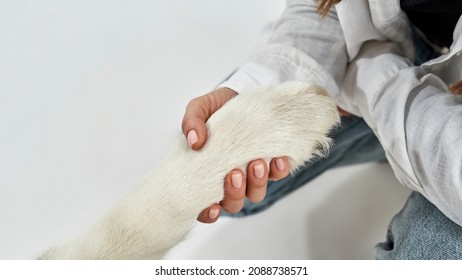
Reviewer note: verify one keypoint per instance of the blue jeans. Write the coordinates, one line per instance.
(418, 231)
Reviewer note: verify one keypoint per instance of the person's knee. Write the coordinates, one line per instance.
(421, 231)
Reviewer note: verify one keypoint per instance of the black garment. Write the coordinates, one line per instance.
(436, 19)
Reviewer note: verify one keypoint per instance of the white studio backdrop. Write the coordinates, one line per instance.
(93, 92)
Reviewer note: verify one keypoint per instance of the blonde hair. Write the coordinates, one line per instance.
(324, 6)
(456, 87)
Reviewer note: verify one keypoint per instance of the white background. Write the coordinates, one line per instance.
(93, 92)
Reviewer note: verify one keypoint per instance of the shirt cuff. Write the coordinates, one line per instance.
(277, 64)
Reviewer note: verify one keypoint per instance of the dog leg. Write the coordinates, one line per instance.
(292, 120)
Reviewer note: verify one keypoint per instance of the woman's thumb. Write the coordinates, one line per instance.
(193, 124)
(199, 111)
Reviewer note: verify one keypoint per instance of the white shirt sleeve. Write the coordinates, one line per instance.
(409, 109)
(303, 47)
(416, 119)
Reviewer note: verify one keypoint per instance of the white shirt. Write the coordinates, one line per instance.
(361, 53)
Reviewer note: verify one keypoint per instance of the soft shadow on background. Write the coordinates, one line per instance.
(93, 92)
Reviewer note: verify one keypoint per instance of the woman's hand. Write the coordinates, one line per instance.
(237, 185)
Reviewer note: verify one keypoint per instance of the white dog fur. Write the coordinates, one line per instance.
(291, 120)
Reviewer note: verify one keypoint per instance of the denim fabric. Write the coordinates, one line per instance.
(421, 231)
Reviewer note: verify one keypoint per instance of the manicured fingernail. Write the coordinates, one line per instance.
(280, 164)
(236, 180)
(259, 171)
(213, 213)
(192, 137)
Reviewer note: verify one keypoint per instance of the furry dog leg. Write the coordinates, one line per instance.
(288, 120)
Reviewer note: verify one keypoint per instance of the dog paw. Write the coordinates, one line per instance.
(292, 119)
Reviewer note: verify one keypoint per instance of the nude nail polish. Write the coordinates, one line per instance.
(192, 137)
(259, 171)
